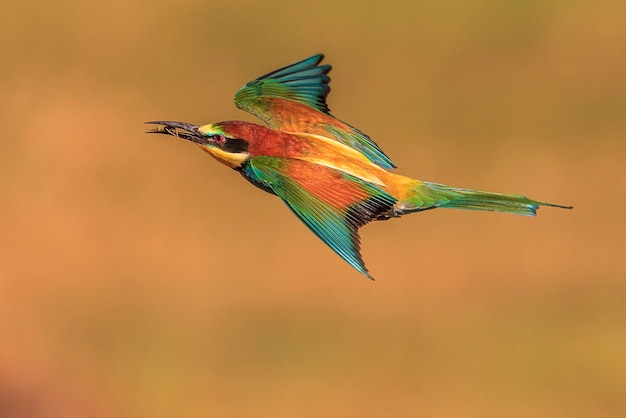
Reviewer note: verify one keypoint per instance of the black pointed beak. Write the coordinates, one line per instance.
(181, 130)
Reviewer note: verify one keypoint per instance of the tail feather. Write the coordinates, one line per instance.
(432, 195)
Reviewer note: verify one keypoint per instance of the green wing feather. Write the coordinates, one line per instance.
(304, 82)
(334, 205)
(356, 139)
(295, 96)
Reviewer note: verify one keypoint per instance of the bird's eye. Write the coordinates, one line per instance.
(219, 139)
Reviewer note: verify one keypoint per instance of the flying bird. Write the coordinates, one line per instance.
(332, 176)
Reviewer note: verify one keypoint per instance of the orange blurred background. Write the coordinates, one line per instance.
(140, 278)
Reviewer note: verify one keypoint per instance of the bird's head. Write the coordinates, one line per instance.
(212, 138)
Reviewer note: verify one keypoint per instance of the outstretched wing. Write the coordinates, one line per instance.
(305, 83)
(293, 99)
(334, 205)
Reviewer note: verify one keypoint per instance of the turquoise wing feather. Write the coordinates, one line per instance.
(293, 98)
(305, 82)
(334, 205)
(356, 139)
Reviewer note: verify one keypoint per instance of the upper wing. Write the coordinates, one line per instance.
(293, 99)
(334, 205)
(305, 82)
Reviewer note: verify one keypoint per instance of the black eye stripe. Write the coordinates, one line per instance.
(235, 145)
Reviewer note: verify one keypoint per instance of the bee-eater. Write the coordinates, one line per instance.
(332, 176)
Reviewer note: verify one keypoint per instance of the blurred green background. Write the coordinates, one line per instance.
(140, 278)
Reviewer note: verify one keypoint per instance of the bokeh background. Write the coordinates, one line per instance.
(140, 278)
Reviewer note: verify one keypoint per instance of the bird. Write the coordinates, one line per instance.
(331, 175)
